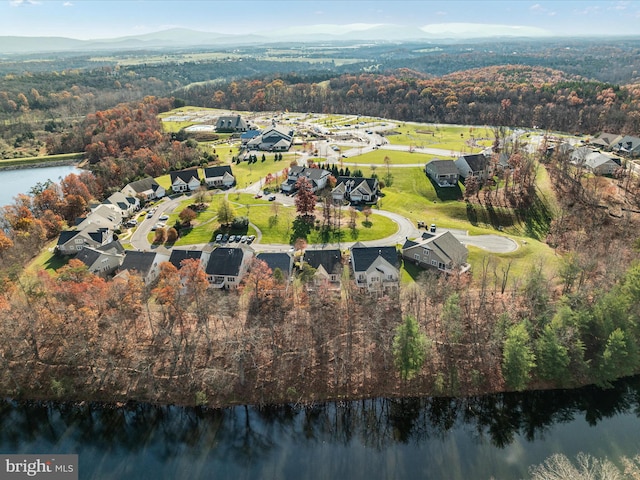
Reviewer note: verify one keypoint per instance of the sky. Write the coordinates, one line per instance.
(90, 19)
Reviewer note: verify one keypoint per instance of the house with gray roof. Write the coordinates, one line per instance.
(441, 251)
(227, 266)
(443, 172)
(103, 260)
(606, 140)
(71, 242)
(375, 268)
(327, 263)
(146, 188)
(126, 204)
(145, 264)
(231, 124)
(278, 260)
(220, 176)
(185, 180)
(272, 139)
(317, 177)
(628, 145)
(476, 165)
(601, 164)
(356, 190)
(178, 256)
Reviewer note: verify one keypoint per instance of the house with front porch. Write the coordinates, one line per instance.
(317, 177)
(219, 177)
(443, 172)
(356, 190)
(147, 189)
(185, 180)
(71, 242)
(476, 165)
(327, 264)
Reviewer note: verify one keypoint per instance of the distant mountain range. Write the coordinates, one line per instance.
(182, 37)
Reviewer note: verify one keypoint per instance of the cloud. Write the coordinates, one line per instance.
(471, 30)
(20, 3)
(537, 8)
(620, 6)
(441, 13)
(589, 10)
(67, 4)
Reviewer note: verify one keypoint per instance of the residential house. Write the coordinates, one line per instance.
(227, 266)
(147, 188)
(441, 251)
(126, 204)
(178, 256)
(185, 180)
(327, 263)
(249, 135)
(231, 124)
(356, 190)
(278, 260)
(443, 172)
(601, 164)
(71, 242)
(105, 216)
(628, 146)
(219, 177)
(103, 260)
(272, 139)
(317, 177)
(476, 165)
(606, 140)
(145, 264)
(375, 268)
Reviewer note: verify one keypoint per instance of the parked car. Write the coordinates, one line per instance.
(257, 195)
(243, 239)
(272, 198)
(218, 237)
(225, 237)
(163, 218)
(158, 225)
(232, 238)
(421, 225)
(251, 238)
(149, 214)
(433, 228)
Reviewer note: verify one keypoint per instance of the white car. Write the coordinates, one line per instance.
(163, 218)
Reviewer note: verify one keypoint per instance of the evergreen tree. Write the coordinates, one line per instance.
(517, 357)
(410, 348)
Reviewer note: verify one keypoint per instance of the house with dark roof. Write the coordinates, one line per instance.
(146, 188)
(356, 190)
(272, 139)
(231, 124)
(472, 165)
(327, 263)
(227, 266)
(219, 177)
(145, 264)
(178, 256)
(443, 172)
(103, 260)
(185, 180)
(278, 260)
(601, 164)
(441, 251)
(102, 216)
(71, 242)
(375, 268)
(249, 135)
(317, 177)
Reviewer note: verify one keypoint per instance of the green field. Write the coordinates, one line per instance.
(446, 137)
(377, 157)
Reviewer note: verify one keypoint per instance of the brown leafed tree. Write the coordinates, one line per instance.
(187, 216)
(305, 198)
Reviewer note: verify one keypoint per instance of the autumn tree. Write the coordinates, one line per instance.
(186, 216)
(160, 236)
(305, 198)
(172, 235)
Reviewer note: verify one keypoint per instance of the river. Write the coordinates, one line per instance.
(496, 436)
(21, 181)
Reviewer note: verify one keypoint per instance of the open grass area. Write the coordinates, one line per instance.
(396, 158)
(447, 137)
(246, 173)
(46, 260)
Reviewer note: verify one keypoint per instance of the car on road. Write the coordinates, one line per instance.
(272, 198)
(225, 237)
(158, 225)
(433, 228)
(149, 214)
(218, 237)
(163, 218)
(257, 195)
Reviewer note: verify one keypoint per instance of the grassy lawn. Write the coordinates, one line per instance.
(446, 137)
(247, 174)
(46, 260)
(396, 157)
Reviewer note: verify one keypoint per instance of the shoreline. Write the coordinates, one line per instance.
(77, 161)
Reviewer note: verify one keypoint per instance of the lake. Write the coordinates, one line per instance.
(21, 181)
(431, 438)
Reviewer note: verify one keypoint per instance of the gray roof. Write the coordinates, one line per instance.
(476, 162)
(329, 259)
(185, 175)
(141, 262)
(363, 257)
(281, 260)
(145, 184)
(443, 167)
(225, 261)
(177, 256)
(67, 235)
(218, 171)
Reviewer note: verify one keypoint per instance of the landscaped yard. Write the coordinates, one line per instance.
(446, 137)
(396, 158)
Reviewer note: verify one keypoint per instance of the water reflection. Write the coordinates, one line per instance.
(477, 437)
